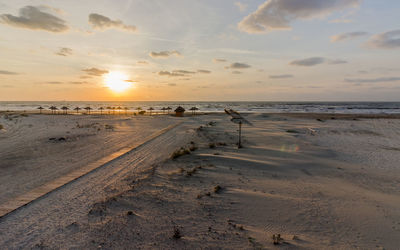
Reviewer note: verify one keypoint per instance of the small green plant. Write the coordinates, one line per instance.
(109, 126)
(211, 145)
(1, 127)
(177, 233)
(217, 189)
(180, 152)
(276, 238)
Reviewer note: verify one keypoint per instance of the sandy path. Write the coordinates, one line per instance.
(46, 216)
(29, 159)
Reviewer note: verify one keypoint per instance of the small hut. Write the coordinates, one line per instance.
(179, 111)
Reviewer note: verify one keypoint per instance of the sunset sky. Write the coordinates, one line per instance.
(199, 50)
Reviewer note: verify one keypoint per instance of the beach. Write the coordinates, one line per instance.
(319, 181)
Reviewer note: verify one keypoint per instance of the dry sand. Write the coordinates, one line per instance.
(320, 184)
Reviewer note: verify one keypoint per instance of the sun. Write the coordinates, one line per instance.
(117, 81)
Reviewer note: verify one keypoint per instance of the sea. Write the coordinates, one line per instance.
(244, 107)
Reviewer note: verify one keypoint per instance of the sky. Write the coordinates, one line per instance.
(200, 50)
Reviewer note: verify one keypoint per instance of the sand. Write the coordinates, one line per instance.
(320, 184)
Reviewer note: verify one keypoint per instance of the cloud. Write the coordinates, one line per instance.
(142, 62)
(34, 18)
(53, 82)
(236, 72)
(5, 72)
(85, 77)
(374, 80)
(280, 76)
(387, 40)
(176, 73)
(341, 21)
(348, 36)
(64, 52)
(101, 22)
(242, 7)
(165, 54)
(203, 71)
(185, 72)
(308, 61)
(172, 84)
(278, 14)
(95, 71)
(78, 82)
(238, 65)
(218, 60)
(170, 74)
(338, 61)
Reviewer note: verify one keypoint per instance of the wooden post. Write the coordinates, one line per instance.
(240, 135)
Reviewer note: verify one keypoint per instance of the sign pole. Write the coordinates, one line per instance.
(240, 135)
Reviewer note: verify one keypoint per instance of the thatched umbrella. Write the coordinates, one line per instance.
(109, 109)
(65, 109)
(101, 110)
(77, 109)
(53, 109)
(40, 109)
(179, 111)
(126, 110)
(168, 108)
(88, 109)
(119, 108)
(193, 109)
(151, 109)
(113, 109)
(138, 109)
(163, 109)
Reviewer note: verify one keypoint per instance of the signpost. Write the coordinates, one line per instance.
(238, 119)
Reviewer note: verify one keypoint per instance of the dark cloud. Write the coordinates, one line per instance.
(35, 18)
(101, 22)
(95, 71)
(185, 72)
(5, 72)
(308, 61)
(387, 40)
(64, 52)
(280, 76)
(278, 14)
(165, 54)
(219, 60)
(237, 65)
(374, 80)
(348, 36)
(204, 71)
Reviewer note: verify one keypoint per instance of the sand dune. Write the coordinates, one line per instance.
(320, 184)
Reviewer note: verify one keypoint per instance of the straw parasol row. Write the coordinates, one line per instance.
(179, 111)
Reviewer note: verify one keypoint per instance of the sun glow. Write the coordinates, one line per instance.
(117, 81)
